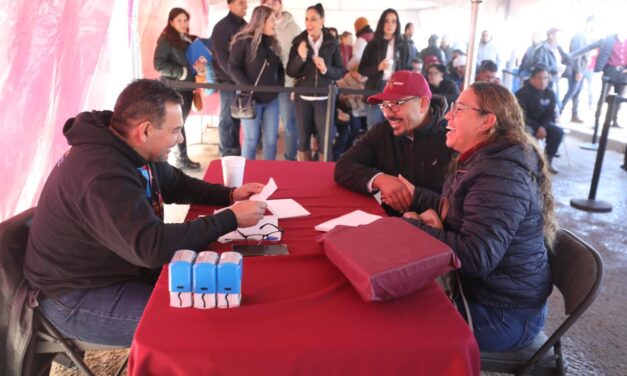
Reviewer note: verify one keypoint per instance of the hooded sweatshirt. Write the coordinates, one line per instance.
(95, 223)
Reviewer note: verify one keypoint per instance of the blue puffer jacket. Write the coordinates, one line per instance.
(494, 224)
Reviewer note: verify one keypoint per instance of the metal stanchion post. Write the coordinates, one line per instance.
(591, 204)
(605, 88)
(328, 144)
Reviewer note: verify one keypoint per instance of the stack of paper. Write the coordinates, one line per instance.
(287, 208)
(355, 218)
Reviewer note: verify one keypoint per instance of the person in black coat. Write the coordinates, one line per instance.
(221, 37)
(410, 142)
(315, 62)
(496, 213)
(440, 85)
(539, 104)
(385, 54)
(170, 61)
(255, 59)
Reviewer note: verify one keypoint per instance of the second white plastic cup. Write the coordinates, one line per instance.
(233, 170)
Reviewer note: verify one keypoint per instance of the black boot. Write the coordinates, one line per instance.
(552, 169)
(182, 160)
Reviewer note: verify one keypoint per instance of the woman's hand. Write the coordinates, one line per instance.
(319, 63)
(412, 215)
(302, 50)
(384, 64)
(247, 190)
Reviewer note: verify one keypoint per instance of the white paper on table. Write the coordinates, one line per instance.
(253, 230)
(355, 218)
(266, 192)
(287, 208)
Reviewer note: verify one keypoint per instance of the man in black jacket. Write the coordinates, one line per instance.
(411, 142)
(98, 237)
(539, 103)
(221, 37)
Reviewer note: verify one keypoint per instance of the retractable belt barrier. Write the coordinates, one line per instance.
(332, 91)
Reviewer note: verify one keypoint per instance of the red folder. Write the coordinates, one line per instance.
(388, 258)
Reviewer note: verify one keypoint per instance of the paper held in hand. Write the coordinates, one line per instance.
(355, 218)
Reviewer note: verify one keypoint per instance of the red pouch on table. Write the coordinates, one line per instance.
(388, 258)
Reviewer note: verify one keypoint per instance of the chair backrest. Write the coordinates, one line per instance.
(13, 237)
(577, 271)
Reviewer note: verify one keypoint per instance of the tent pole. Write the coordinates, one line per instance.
(469, 75)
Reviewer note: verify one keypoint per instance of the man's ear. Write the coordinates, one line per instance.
(424, 104)
(142, 130)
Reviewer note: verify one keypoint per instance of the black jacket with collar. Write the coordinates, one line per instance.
(245, 70)
(423, 161)
(373, 55)
(221, 37)
(170, 61)
(305, 72)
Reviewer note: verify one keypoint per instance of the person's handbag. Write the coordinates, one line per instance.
(243, 105)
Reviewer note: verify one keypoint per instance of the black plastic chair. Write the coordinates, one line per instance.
(45, 338)
(577, 271)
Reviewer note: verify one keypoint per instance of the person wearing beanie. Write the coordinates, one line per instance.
(363, 34)
(410, 142)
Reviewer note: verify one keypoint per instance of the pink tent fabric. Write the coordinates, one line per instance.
(61, 58)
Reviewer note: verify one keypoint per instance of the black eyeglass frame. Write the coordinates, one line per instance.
(264, 237)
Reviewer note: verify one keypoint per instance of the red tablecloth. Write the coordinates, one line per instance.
(299, 314)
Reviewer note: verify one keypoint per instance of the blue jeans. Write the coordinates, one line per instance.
(574, 88)
(374, 115)
(228, 127)
(106, 316)
(501, 329)
(288, 117)
(268, 117)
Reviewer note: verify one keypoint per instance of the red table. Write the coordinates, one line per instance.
(299, 314)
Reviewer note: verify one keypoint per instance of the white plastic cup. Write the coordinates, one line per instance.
(233, 170)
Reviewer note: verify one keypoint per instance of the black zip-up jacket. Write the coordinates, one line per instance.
(94, 225)
(423, 161)
(538, 106)
(305, 72)
(245, 71)
(221, 37)
(375, 52)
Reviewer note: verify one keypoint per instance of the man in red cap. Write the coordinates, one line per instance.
(409, 143)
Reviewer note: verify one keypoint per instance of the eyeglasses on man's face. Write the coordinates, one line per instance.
(395, 106)
(270, 233)
(462, 107)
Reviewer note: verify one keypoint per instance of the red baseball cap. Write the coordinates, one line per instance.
(402, 84)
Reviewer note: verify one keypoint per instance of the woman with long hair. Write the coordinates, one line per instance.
(386, 53)
(255, 53)
(170, 61)
(496, 213)
(315, 61)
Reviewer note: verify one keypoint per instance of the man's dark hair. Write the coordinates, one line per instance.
(142, 100)
(488, 65)
(408, 25)
(416, 60)
(538, 69)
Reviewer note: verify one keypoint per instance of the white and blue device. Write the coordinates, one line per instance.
(205, 280)
(180, 273)
(230, 280)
